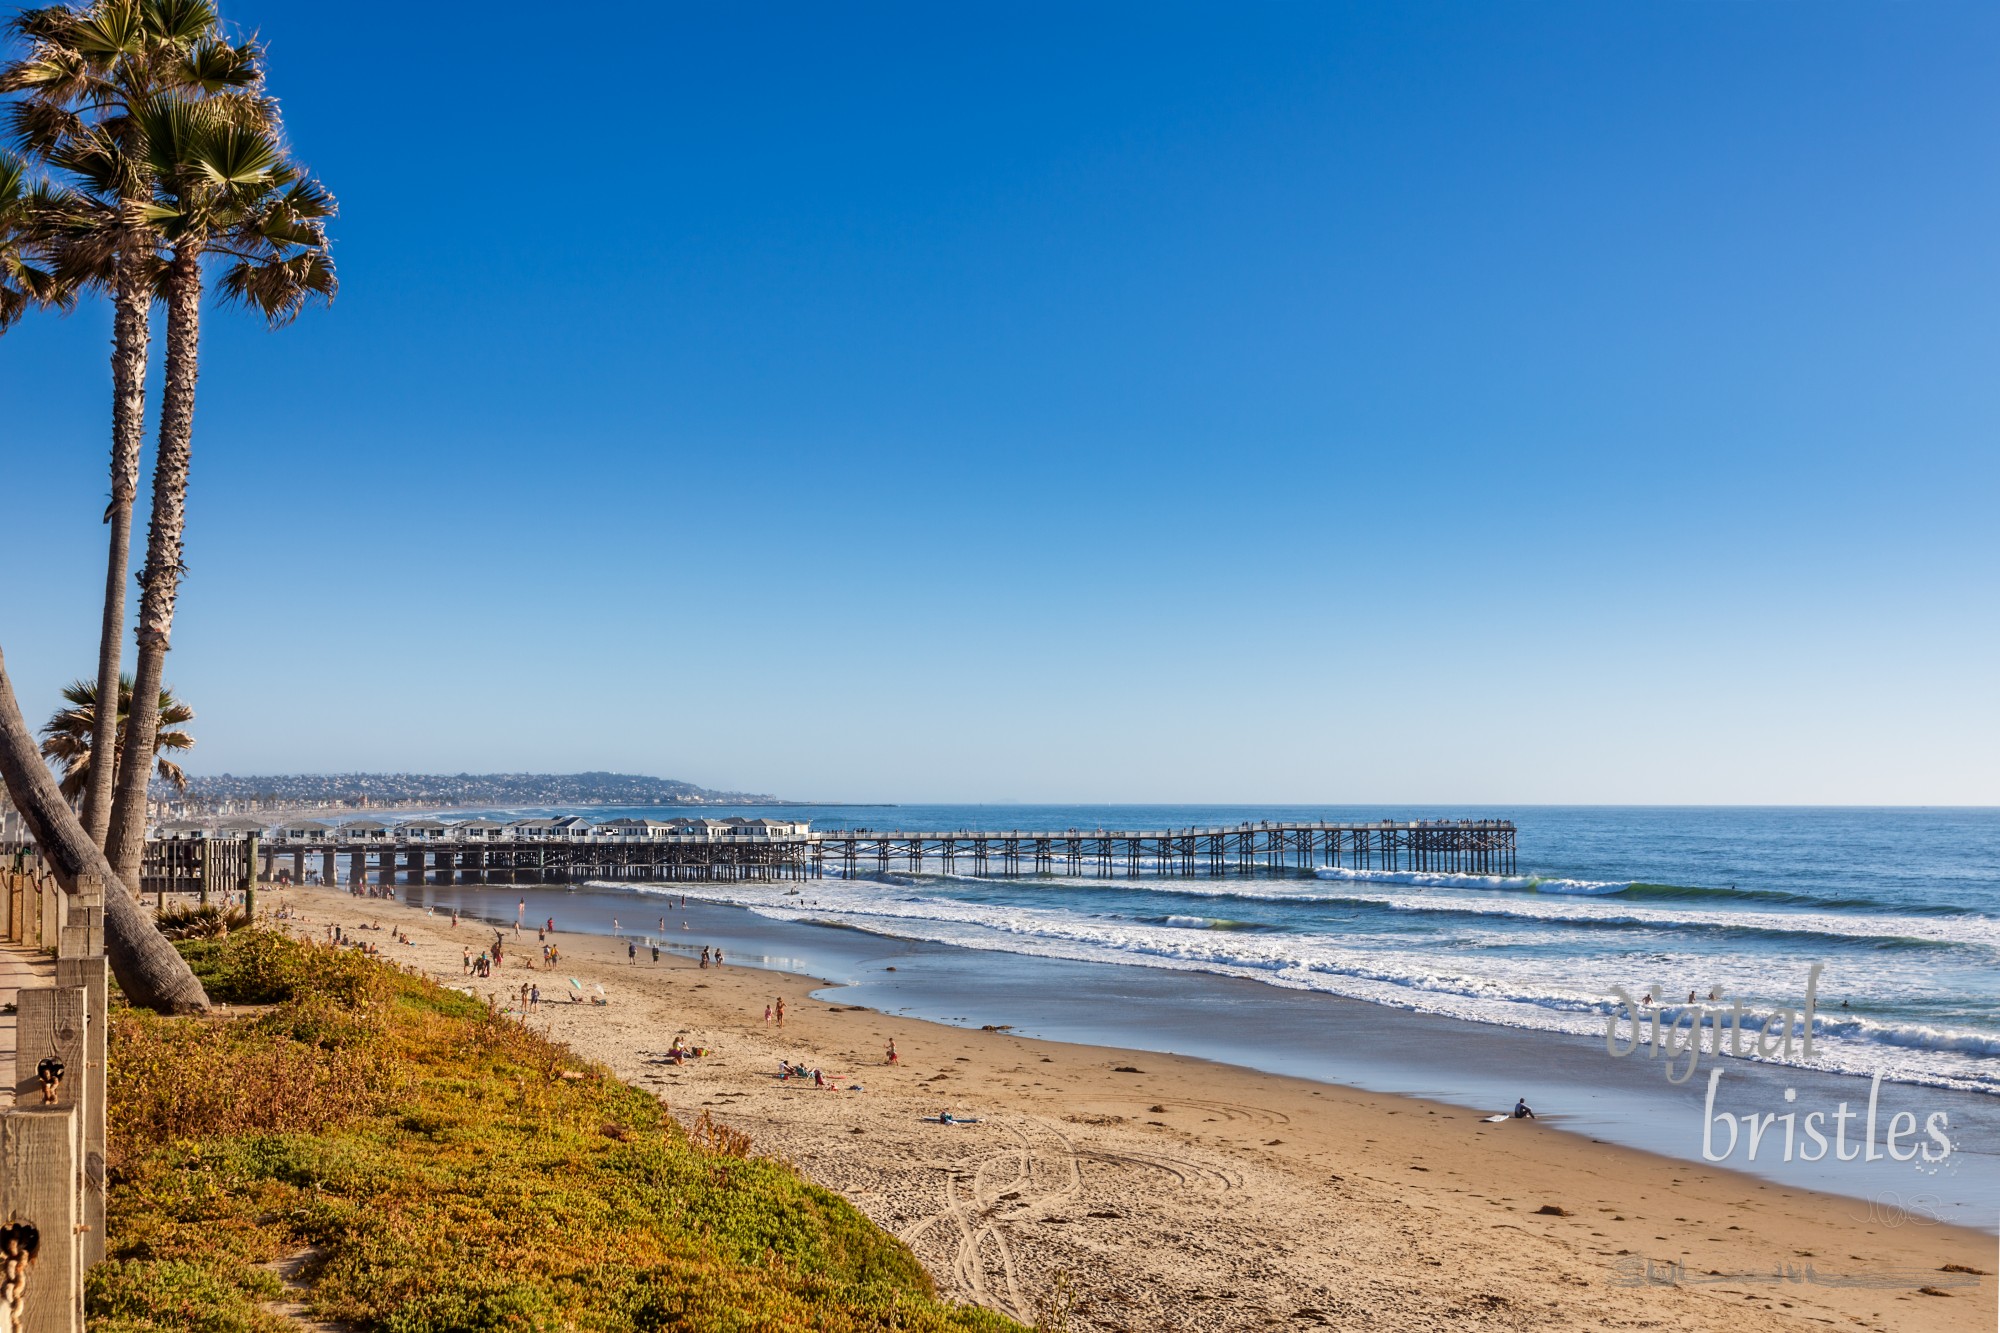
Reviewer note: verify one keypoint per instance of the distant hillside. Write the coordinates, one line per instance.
(368, 790)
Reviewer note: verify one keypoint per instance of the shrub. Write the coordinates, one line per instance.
(206, 922)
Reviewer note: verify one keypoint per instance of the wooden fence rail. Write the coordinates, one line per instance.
(52, 1137)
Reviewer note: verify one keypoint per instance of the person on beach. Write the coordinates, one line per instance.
(704, 955)
(656, 951)
(454, 918)
(551, 926)
(534, 998)
(767, 1015)
(781, 1011)
(631, 953)
(894, 1058)
(1522, 1111)
(718, 956)
(468, 960)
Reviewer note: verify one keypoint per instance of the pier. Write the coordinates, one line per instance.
(478, 851)
(1466, 847)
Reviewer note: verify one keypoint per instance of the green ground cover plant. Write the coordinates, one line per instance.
(441, 1168)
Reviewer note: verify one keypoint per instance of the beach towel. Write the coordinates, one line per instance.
(955, 1120)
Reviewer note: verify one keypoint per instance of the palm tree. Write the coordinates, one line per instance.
(70, 736)
(23, 210)
(86, 71)
(149, 970)
(224, 190)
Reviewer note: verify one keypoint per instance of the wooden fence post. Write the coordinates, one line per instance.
(90, 973)
(51, 1024)
(250, 877)
(38, 1174)
(48, 1025)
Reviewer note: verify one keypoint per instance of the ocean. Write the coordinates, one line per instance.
(1902, 907)
(1335, 973)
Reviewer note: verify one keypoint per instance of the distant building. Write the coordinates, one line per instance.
(304, 830)
(767, 828)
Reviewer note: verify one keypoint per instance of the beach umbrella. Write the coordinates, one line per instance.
(574, 982)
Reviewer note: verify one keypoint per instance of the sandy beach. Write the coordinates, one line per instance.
(1142, 1191)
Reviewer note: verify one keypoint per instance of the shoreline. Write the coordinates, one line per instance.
(1328, 1039)
(1173, 1192)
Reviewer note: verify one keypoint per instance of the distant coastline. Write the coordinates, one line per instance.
(229, 794)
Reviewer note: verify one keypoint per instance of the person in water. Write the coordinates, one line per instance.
(1522, 1111)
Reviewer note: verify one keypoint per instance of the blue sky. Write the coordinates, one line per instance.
(1393, 402)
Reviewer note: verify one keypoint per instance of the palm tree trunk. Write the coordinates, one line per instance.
(131, 334)
(149, 970)
(160, 580)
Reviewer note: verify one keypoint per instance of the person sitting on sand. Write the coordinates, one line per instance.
(945, 1118)
(1522, 1111)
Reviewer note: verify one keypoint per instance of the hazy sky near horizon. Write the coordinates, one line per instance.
(1391, 402)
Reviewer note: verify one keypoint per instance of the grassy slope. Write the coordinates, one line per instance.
(448, 1177)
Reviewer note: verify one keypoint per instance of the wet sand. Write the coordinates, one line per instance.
(1157, 1192)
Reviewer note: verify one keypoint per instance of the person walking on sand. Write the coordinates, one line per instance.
(454, 918)
(534, 998)
(718, 955)
(704, 955)
(781, 1011)
(767, 1015)
(894, 1058)
(631, 953)
(656, 951)
(468, 960)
